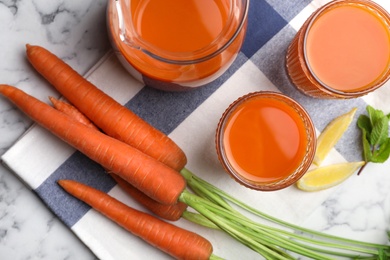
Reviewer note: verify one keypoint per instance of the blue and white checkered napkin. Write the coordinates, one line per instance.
(190, 118)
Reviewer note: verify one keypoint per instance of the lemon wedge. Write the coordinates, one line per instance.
(327, 176)
(331, 135)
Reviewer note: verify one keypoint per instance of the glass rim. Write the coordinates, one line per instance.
(385, 74)
(201, 55)
(296, 173)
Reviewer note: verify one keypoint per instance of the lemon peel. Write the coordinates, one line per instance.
(331, 135)
(327, 176)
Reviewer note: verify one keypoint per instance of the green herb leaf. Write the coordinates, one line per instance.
(374, 114)
(380, 131)
(367, 154)
(364, 124)
(383, 153)
(375, 135)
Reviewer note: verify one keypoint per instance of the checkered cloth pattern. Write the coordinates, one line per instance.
(190, 118)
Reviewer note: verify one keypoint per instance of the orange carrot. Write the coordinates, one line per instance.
(71, 111)
(152, 177)
(110, 116)
(173, 240)
(168, 212)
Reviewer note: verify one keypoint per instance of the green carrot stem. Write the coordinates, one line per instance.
(201, 220)
(198, 188)
(196, 203)
(214, 257)
(198, 219)
(264, 239)
(191, 178)
(267, 236)
(324, 244)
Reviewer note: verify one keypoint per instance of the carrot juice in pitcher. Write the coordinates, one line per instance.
(175, 44)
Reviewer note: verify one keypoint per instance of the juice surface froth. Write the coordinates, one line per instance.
(348, 47)
(265, 139)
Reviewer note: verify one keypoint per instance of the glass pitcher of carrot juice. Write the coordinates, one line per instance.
(177, 45)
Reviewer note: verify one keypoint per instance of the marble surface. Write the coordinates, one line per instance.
(75, 30)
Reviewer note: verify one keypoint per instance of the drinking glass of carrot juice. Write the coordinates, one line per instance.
(265, 141)
(177, 45)
(342, 50)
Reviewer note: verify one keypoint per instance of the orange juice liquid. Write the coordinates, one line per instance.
(265, 139)
(348, 48)
(206, 34)
(177, 25)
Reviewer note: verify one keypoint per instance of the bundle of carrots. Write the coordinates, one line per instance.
(150, 167)
(142, 159)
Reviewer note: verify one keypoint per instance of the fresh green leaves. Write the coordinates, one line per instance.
(375, 135)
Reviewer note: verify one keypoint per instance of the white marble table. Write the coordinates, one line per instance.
(75, 30)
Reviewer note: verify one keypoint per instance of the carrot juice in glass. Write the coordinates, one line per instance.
(342, 50)
(265, 141)
(177, 45)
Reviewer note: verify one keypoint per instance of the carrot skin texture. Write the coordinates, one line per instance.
(173, 240)
(71, 111)
(168, 212)
(152, 177)
(107, 114)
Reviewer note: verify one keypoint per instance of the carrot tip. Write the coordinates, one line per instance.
(30, 48)
(4, 89)
(63, 183)
(52, 99)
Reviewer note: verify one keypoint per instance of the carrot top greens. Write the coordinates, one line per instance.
(272, 242)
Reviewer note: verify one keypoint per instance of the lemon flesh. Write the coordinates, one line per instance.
(331, 135)
(327, 176)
